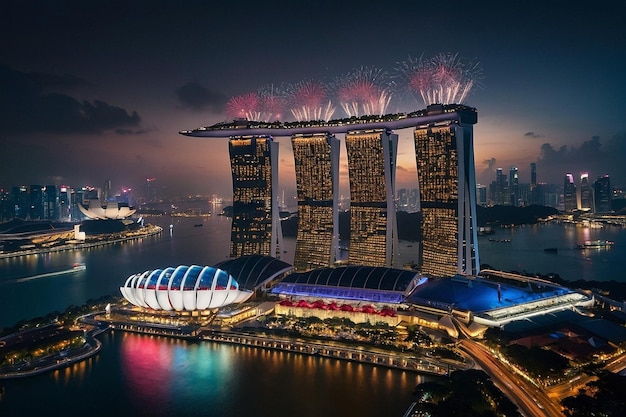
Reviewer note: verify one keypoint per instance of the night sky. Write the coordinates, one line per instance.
(96, 91)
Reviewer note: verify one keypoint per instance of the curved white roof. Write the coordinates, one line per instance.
(183, 288)
(110, 211)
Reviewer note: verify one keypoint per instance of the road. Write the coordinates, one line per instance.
(531, 400)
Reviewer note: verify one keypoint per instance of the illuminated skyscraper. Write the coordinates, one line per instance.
(371, 168)
(65, 202)
(534, 187)
(444, 153)
(602, 195)
(51, 202)
(501, 188)
(569, 194)
(106, 195)
(36, 199)
(513, 186)
(317, 179)
(255, 224)
(586, 202)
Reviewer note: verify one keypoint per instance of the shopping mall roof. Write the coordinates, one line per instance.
(362, 283)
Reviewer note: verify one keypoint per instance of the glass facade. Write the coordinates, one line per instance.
(255, 224)
(569, 194)
(371, 168)
(602, 195)
(316, 160)
(586, 194)
(445, 169)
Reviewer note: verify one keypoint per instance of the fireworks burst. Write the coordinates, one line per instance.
(273, 102)
(308, 100)
(364, 91)
(444, 79)
(247, 106)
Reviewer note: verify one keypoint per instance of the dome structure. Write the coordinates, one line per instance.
(95, 210)
(183, 288)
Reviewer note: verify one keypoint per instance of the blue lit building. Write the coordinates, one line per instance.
(355, 283)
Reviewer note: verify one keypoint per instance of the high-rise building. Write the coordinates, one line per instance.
(501, 188)
(602, 195)
(316, 160)
(481, 195)
(106, 195)
(514, 194)
(407, 200)
(255, 223)
(21, 201)
(586, 200)
(371, 169)
(446, 175)
(36, 196)
(569, 194)
(51, 202)
(446, 183)
(534, 189)
(6, 208)
(65, 203)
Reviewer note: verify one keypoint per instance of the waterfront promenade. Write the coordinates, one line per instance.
(96, 323)
(90, 242)
(46, 363)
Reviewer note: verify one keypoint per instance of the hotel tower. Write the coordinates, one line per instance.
(255, 224)
(444, 153)
(371, 169)
(316, 158)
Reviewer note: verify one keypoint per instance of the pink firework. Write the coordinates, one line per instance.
(364, 91)
(309, 101)
(246, 106)
(443, 79)
(273, 103)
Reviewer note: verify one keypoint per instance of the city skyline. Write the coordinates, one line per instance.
(89, 102)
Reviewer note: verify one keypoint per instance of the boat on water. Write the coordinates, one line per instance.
(594, 244)
(65, 270)
(551, 250)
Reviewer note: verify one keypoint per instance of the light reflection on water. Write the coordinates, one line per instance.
(145, 375)
(525, 251)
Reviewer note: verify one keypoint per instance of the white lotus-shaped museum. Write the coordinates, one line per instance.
(95, 210)
(183, 288)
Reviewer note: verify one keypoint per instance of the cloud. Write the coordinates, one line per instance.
(196, 97)
(591, 156)
(589, 150)
(126, 131)
(27, 108)
(490, 163)
(533, 135)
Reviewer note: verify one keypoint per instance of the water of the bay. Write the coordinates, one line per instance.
(137, 375)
